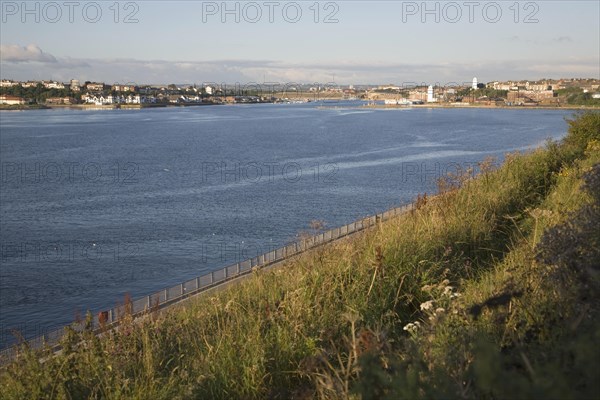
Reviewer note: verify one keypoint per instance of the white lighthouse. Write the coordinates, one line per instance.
(474, 84)
(430, 98)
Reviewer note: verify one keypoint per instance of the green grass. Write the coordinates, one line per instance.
(496, 319)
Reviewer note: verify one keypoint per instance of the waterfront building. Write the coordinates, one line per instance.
(61, 100)
(11, 100)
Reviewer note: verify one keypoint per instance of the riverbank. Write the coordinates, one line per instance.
(24, 107)
(485, 106)
(21, 107)
(457, 299)
(372, 106)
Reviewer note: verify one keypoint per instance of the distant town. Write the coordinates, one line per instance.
(544, 93)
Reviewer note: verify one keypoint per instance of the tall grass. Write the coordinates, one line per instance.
(419, 306)
(523, 328)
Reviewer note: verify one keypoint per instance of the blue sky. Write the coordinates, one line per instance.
(284, 41)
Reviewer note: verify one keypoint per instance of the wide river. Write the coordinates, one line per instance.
(95, 205)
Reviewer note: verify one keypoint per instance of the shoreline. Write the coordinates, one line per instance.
(98, 107)
(214, 281)
(482, 106)
(373, 106)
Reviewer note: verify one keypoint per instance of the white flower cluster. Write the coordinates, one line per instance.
(449, 291)
(428, 305)
(412, 327)
(434, 314)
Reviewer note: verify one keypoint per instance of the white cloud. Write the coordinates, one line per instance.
(14, 66)
(18, 54)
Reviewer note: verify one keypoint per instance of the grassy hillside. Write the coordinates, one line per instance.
(488, 290)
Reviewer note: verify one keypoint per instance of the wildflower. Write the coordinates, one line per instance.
(412, 327)
(427, 305)
(439, 310)
(448, 290)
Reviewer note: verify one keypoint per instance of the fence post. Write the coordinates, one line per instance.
(225, 273)
(181, 288)
(212, 277)
(149, 302)
(166, 295)
(237, 268)
(110, 315)
(197, 282)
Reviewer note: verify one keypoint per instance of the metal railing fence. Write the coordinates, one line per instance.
(174, 294)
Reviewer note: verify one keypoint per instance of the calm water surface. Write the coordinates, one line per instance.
(97, 204)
